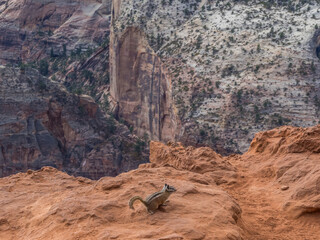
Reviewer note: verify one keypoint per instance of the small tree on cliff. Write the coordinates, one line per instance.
(44, 67)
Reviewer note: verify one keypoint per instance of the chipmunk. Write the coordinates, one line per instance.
(154, 200)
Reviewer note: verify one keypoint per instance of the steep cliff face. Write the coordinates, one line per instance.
(43, 125)
(33, 29)
(236, 67)
(201, 72)
(140, 87)
(68, 40)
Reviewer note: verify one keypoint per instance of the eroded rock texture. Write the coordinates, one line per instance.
(140, 89)
(291, 157)
(236, 67)
(83, 205)
(271, 192)
(32, 29)
(43, 125)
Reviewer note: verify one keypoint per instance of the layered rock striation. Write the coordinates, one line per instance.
(200, 72)
(31, 30)
(44, 125)
(235, 67)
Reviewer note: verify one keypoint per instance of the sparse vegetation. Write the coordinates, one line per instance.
(43, 67)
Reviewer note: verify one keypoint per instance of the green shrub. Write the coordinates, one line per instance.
(43, 67)
(41, 85)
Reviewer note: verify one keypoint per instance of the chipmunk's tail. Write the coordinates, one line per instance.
(132, 200)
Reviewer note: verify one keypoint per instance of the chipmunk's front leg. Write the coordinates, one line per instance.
(164, 204)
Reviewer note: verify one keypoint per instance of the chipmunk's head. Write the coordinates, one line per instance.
(168, 188)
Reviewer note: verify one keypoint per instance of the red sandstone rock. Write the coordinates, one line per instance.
(49, 203)
(140, 89)
(39, 204)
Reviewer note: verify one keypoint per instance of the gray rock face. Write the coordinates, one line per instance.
(32, 29)
(235, 67)
(41, 124)
(200, 72)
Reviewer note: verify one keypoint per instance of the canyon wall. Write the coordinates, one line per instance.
(44, 125)
(140, 88)
(204, 73)
(235, 67)
(52, 53)
(33, 29)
